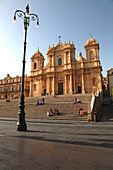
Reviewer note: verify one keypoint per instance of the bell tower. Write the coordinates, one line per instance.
(37, 62)
(92, 49)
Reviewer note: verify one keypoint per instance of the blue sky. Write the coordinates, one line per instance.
(74, 20)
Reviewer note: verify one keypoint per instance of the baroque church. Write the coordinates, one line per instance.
(65, 74)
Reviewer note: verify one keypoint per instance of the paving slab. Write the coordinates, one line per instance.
(54, 144)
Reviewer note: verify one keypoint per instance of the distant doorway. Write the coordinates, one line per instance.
(5, 96)
(44, 92)
(79, 89)
(60, 88)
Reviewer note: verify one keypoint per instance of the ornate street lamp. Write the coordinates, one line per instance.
(27, 17)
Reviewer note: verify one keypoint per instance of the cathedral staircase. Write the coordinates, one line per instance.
(64, 103)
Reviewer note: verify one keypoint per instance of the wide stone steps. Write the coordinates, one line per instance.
(65, 105)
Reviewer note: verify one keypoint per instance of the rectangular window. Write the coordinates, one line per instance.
(19, 88)
(6, 89)
(7, 81)
(59, 61)
(94, 81)
(12, 88)
(1, 89)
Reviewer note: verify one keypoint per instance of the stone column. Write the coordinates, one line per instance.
(83, 87)
(65, 85)
(31, 88)
(65, 58)
(71, 84)
(87, 54)
(40, 86)
(69, 57)
(49, 61)
(97, 53)
(74, 84)
(53, 91)
(53, 63)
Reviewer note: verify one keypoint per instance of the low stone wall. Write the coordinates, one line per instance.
(96, 103)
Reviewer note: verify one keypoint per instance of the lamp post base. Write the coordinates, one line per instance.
(21, 127)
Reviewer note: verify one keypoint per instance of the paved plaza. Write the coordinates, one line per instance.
(56, 144)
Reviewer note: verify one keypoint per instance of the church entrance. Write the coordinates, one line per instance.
(60, 88)
(79, 89)
(44, 92)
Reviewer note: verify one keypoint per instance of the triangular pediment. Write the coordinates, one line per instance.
(37, 54)
(91, 41)
(59, 47)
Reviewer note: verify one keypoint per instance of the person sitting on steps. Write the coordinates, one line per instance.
(78, 100)
(56, 112)
(80, 112)
(75, 100)
(37, 103)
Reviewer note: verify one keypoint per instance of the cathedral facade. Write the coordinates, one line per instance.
(65, 74)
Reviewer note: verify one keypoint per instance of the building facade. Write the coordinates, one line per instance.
(110, 82)
(105, 86)
(11, 87)
(65, 74)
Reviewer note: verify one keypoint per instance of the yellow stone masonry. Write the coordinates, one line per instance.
(65, 74)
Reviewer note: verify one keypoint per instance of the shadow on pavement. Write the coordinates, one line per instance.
(106, 145)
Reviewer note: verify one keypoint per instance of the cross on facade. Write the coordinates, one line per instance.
(59, 38)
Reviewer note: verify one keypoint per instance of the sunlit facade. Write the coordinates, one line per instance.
(110, 82)
(65, 74)
(10, 87)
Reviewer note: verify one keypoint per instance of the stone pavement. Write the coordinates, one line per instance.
(56, 144)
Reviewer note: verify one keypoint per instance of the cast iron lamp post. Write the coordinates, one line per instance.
(27, 17)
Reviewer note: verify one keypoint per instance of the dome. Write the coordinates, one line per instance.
(80, 58)
(79, 54)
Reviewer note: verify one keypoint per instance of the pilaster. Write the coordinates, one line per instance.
(71, 91)
(65, 85)
(83, 86)
(40, 87)
(31, 88)
(53, 91)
